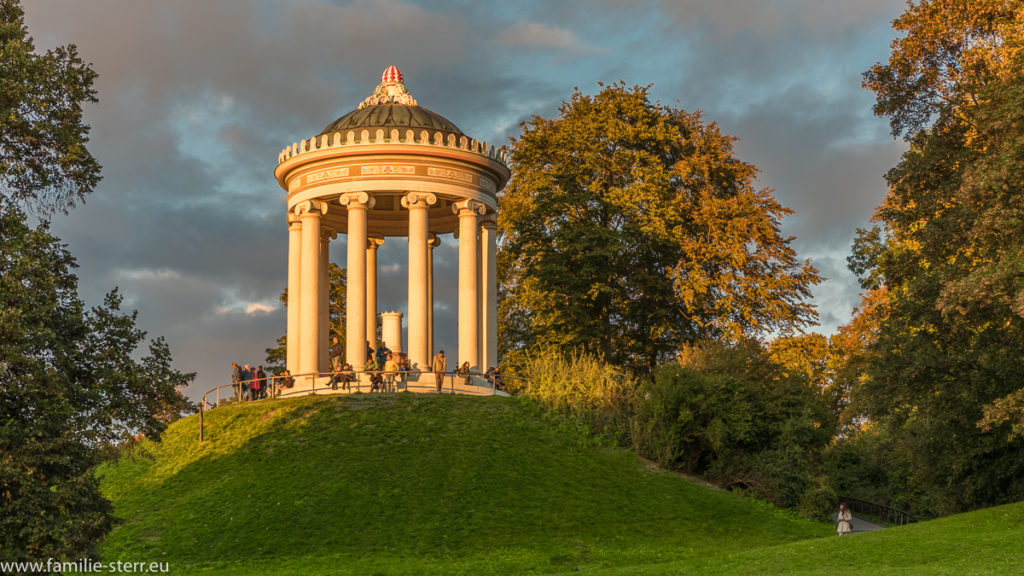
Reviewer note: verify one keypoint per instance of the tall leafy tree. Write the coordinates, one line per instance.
(629, 229)
(72, 382)
(44, 163)
(948, 251)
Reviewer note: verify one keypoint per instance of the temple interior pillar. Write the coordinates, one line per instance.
(391, 330)
(323, 337)
(433, 242)
(489, 294)
(372, 244)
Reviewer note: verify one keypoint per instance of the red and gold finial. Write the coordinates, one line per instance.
(390, 91)
(392, 75)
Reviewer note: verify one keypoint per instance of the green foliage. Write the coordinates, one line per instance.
(948, 253)
(414, 484)
(629, 229)
(733, 415)
(44, 163)
(69, 385)
(580, 386)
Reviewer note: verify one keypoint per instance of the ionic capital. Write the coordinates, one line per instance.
(311, 208)
(418, 200)
(469, 207)
(294, 222)
(356, 200)
(374, 243)
(327, 234)
(433, 240)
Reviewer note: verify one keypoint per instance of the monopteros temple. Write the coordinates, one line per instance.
(390, 169)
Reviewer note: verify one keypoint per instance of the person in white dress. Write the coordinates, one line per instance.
(844, 520)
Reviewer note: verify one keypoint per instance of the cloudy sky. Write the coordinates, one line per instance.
(197, 97)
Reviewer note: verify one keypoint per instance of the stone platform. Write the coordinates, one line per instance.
(416, 383)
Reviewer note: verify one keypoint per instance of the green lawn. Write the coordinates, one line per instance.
(458, 485)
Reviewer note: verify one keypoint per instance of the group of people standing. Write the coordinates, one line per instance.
(388, 372)
(254, 384)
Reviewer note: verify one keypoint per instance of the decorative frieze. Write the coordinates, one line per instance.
(450, 174)
(385, 169)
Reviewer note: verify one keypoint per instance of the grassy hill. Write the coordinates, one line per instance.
(419, 484)
(982, 543)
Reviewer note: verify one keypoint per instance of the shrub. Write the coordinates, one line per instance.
(580, 386)
(732, 415)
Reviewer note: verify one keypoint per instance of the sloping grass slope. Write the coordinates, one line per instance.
(982, 543)
(414, 484)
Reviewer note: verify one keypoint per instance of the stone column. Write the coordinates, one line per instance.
(323, 339)
(480, 262)
(418, 205)
(489, 293)
(433, 242)
(469, 338)
(391, 330)
(371, 289)
(294, 291)
(355, 306)
(309, 300)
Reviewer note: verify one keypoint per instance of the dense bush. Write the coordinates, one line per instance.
(730, 414)
(727, 413)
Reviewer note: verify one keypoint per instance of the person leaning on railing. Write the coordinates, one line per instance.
(285, 380)
(236, 380)
(376, 381)
(403, 367)
(463, 372)
(347, 376)
(342, 375)
(390, 371)
(335, 378)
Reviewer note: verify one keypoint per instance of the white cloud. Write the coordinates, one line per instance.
(147, 274)
(537, 35)
(258, 308)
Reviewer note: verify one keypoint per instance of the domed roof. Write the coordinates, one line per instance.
(391, 106)
(393, 116)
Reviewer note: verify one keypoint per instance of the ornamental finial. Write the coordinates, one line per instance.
(390, 91)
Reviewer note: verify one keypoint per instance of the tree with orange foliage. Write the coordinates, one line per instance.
(949, 251)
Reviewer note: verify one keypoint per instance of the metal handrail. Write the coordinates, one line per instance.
(399, 380)
(893, 516)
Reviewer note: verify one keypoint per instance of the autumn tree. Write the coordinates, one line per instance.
(629, 229)
(949, 251)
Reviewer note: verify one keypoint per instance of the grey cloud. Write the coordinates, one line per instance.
(536, 35)
(822, 21)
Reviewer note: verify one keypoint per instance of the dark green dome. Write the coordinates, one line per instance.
(388, 116)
